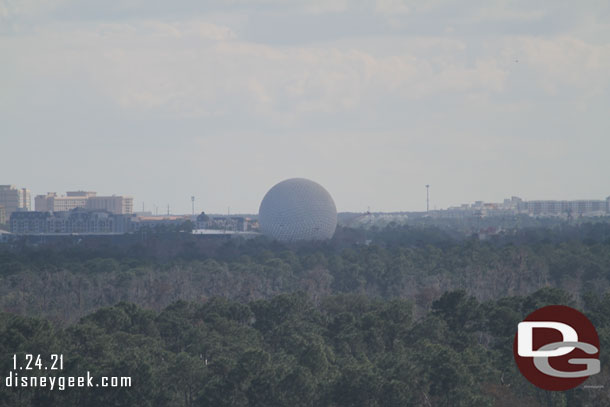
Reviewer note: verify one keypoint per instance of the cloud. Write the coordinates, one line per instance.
(196, 68)
(356, 94)
(566, 62)
(502, 11)
(391, 7)
(10, 9)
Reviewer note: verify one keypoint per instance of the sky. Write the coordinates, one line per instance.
(373, 99)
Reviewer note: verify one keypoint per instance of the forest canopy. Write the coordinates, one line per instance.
(399, 316)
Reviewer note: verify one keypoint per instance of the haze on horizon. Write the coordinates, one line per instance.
(371, 99)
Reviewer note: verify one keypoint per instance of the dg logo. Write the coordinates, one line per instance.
(556, 348)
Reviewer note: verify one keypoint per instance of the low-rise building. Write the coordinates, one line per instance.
(75, 221)
(234, 223)
(202, 221)
(5, 236)
(152, 222)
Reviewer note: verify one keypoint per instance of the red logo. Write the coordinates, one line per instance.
(556, 348)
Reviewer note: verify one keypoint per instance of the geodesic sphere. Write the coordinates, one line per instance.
(297, 209)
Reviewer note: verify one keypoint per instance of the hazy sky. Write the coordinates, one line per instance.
(162, 100)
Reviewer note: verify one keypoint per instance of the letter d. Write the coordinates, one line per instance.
(526, 342)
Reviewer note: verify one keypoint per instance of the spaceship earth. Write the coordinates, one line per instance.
(297, 209)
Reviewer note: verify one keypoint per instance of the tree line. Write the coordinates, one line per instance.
(345, 350)
(64, 281)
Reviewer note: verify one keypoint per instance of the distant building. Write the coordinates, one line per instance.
(27, 223)
(140, 222)
(14, 199)
(224, 234)
(253, 225)
(516, 205)
(75, 221)
(233, 223)
(2, 215)
(241, 223)
(202, 221)
(566, 208)
(114, 204)
(5, 236)
(53, 203)
(119, 205)
(81, 193)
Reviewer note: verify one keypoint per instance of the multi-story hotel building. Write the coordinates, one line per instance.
(14, 199)
(84, 199)
(116, 204)
(53, 203)
(579, 207)
(516, 205)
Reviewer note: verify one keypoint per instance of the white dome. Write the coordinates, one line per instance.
(298, 209)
